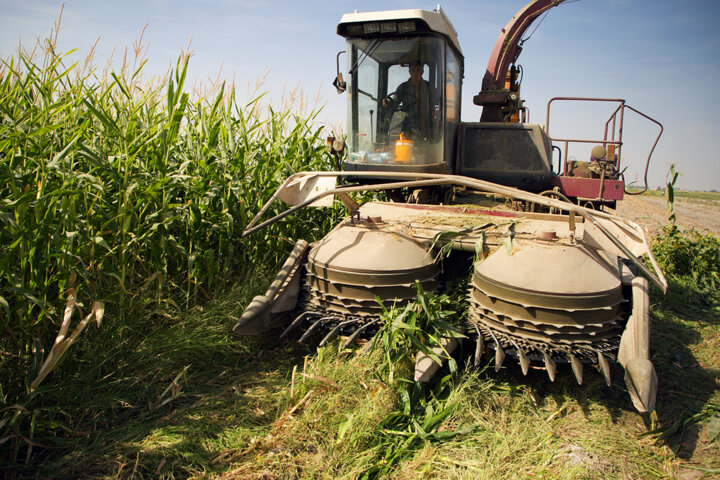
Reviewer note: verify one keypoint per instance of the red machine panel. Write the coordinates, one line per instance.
(589, 188)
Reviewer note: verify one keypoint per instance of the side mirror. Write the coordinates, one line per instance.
(339, 83)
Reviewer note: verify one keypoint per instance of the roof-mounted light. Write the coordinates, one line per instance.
(388, 27)
(355, 29)
(371, 27)
(406, 26)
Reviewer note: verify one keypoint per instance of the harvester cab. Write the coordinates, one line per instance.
(398, 120)
(394, 125)
(404, 123)
(554, 279)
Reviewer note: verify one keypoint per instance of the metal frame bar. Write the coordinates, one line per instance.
(617, 127)
(604, 141)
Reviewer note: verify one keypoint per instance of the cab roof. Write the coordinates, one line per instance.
(434, 21)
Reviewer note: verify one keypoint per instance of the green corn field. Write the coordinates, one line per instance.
(121, 190)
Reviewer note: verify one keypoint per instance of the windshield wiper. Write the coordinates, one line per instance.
(370, 51)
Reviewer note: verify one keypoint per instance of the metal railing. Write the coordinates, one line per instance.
(612, 135)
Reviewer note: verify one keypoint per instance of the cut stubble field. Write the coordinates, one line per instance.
(698, 210)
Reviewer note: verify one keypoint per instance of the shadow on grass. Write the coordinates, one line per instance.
(158, 396)
(681, 324)
(168, 396)
(222, 401)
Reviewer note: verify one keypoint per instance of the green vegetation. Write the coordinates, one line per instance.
(689, 257)
(182, 398)
(130, 194)
(133, 194)
(688, 195)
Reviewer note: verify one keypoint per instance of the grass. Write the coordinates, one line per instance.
(181, 398)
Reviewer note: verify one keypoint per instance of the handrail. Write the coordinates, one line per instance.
(617, 127)
(604, 140)
(657, 139)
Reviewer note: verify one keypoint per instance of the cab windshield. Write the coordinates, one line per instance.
(396, 100)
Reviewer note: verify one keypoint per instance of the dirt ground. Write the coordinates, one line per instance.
(651, 212)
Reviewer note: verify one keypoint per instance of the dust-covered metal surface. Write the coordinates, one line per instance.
(357, 265)
(549, 302)
(267, 311)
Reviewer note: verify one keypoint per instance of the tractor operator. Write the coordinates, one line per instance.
(412, 97)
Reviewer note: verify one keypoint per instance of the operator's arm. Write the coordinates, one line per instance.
(401, 98)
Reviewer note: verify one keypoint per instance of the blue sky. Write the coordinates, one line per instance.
(661, 56)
